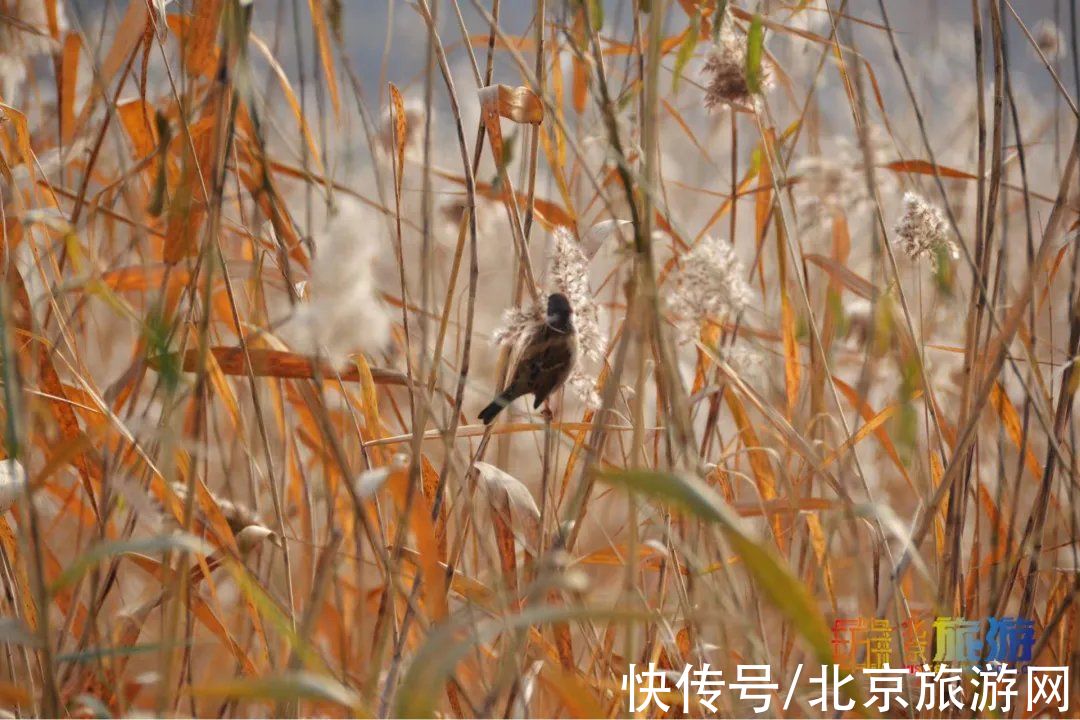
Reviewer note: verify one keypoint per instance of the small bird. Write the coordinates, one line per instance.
(545, 362)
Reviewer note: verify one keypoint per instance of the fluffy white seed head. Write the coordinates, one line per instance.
(342, 313)
(725, 69)
(710, 283)
(1049, 39)
(747, 361)
(570, 276)
(518, 323)
(923, 233)
(834, 180)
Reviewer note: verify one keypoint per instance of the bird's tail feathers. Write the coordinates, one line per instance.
(488, 414)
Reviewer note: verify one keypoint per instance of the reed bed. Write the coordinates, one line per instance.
(822, 258)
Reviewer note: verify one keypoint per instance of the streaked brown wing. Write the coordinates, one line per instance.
(544, 363)
(555, 368)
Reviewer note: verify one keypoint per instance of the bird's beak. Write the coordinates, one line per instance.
(552, 319)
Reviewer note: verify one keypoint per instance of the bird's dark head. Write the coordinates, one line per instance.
(559, 312)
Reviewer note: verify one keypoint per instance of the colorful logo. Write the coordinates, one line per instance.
(869, 643)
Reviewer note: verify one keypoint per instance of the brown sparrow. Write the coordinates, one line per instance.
(545, 362)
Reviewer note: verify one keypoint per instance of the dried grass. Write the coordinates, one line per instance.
(248, 288)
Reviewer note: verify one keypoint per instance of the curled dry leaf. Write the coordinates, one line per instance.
(595, 237)
(253, 535)
(519, 104)
(401, 133)
(525, 514)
